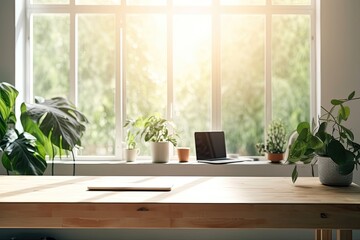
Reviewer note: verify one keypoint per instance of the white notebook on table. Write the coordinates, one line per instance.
(144, 186)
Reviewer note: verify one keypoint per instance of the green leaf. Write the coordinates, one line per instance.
(348, 132)
(22, 154)
(6, 162)
(297, 150)
(337, 102)
(336, 152)
(58, 118)
(322, 127)
(351, 96)
(8, 95)
(348, 166)
(7, 102)
(294, 174)
(301, 126)
(308, 158)
(31, 127)
(315, 143)
(344, 113)
(354, 145)
(303, 134)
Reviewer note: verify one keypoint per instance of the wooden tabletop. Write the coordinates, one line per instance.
(230, 202)
(61, 189)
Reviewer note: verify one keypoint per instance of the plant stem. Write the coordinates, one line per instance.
(52, 162)
(73, 156)
(336, 124)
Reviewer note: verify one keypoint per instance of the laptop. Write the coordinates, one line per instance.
(210, 148)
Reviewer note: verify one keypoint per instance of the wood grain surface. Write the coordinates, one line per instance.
(193, 202)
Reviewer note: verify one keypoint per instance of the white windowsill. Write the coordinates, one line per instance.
(174, 168)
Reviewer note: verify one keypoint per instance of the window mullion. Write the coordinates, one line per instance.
(315, 66)
(170, 67)
(216, 72)
(120, 92)
(268, 70)
(73, 78)
(29, 90)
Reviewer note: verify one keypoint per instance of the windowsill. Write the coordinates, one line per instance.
(145, 167)
(147, 161)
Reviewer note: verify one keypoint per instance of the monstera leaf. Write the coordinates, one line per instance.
(31, 127)
(50, 126)
(22, 155)
(8, 96)
(59, 120)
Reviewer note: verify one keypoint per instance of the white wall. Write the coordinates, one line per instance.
(7, 41)
(340, 56)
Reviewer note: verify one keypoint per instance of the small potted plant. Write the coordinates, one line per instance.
(160, 133)
(133, 130)
(329, 143)
(275, 145)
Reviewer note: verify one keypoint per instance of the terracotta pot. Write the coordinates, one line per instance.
(183, 154)
(275, 157)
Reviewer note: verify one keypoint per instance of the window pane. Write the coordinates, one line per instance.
(50, 1)
(146, 88)
(291, 69)
(192, 2)
(146, 2)
(192, 75)
(291, 2)
(96, 82)
(242, 76)
(97, 2)
(51, 55)
(243, 2)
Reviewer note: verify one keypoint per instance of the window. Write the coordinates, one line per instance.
(222, 64)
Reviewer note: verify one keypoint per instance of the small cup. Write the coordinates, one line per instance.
(131, 154)
(183, 154)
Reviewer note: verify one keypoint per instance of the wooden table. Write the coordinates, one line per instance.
(193, 202)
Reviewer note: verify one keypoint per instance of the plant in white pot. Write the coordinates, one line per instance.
(133, 130)
(160, 133)
(329, 143)
(275, 146)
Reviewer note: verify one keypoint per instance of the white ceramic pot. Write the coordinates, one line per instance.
(160, 152)
(131, 154)
(328, 172)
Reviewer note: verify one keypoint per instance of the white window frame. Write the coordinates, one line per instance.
(215, 10)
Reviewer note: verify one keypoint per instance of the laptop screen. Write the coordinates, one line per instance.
(210, 145)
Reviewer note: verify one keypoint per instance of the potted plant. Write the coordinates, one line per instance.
(49, 127)
(330, 142)
(275, 146)
(159, 132)
(133, 130)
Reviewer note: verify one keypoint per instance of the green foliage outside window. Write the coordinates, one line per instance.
(145, 54)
